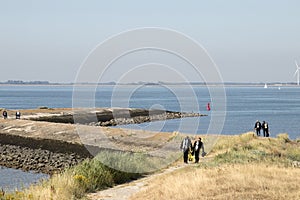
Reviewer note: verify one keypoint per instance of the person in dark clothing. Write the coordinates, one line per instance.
(265, 127)
(186, 146)
(18, 115)
(198, 144)
(257, 127)
(4, 114)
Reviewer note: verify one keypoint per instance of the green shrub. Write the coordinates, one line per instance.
(92, 175)
(135, 162)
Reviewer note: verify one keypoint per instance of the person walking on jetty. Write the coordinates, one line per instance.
(265, 127)
(257, 127)
(186, 146)
(4, 114)
(18, 115)
(198, 144)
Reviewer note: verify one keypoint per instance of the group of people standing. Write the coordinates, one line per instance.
(264, 126)
(5, 115)
(187, 147)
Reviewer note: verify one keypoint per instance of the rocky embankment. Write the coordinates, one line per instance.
(38, 160)
(33, 151)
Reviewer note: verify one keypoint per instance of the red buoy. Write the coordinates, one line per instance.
(208, 106)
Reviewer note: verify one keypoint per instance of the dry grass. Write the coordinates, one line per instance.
(60, 186)
(253, 181)
(242, 167)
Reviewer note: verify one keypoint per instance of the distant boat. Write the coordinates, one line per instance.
(266, 86)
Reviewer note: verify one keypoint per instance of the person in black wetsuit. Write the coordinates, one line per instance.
(257, 127)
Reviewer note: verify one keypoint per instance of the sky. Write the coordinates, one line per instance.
(249, 41)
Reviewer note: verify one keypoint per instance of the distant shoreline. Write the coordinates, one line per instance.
(158, 84)
(145, 83)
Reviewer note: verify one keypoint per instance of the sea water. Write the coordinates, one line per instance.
(244, 105)
(13, 179)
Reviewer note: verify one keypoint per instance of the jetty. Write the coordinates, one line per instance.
(50, 140)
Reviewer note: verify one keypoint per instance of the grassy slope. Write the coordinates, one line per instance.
(238, 167)
(92, 175)
(74, 183)
(242, 167)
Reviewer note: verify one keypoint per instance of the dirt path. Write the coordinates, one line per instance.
(125, 191)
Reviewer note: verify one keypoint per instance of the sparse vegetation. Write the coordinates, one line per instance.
(238, 181)
(238, 167)
(89, 176)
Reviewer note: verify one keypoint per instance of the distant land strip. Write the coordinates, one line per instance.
(112, 83)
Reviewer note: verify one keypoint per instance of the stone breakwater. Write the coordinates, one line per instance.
(115, 116)
(38, 160)
(142, 119)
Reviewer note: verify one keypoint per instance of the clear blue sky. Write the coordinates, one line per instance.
(250, 41)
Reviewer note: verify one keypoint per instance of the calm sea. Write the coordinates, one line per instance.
(280, 107)
(12, 179)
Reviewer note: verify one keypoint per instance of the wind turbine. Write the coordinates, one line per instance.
(297, 72)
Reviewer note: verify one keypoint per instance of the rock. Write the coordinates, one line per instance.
(41, 165)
